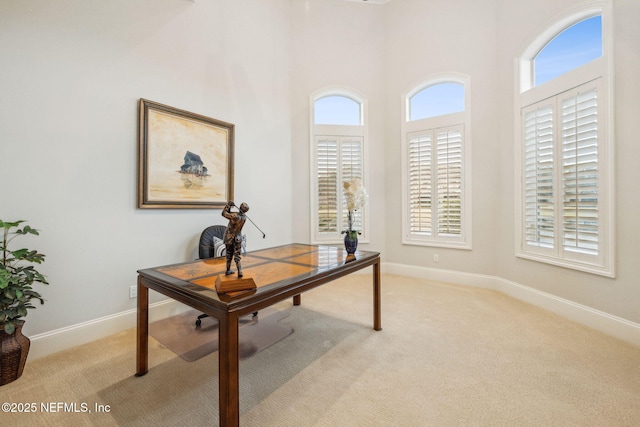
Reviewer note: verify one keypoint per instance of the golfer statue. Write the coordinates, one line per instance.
(233, 235)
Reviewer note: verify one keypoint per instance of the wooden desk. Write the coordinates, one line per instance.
(280, 273)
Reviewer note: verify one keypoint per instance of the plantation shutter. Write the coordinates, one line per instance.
(435, 159)
(539, 175)
(339, 159)
(561, 175)
(420, 184)
(327, 176)
(580, 172)
(351, 166)
(449, 181)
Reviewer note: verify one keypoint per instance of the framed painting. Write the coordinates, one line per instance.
(185, 160)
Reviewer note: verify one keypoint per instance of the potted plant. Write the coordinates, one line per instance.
(17, 275)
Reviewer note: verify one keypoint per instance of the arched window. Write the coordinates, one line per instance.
(436, 163)
(437, 100)
(564, 207)
(337, 110)
(338, 156)
(579, 44)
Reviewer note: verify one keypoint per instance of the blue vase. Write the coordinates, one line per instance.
(351, 242)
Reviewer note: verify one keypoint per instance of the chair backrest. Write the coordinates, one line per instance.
(207, 247)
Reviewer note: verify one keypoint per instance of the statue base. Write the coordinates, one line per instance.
(232, 283)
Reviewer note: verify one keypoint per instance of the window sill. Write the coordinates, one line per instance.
(435, 244)
(601, 270)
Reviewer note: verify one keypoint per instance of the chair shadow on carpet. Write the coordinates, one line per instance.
(180, 335)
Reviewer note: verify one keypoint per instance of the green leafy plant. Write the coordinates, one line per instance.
(17, 274)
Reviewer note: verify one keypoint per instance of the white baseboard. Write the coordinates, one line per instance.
(82, 333)
(587, 316)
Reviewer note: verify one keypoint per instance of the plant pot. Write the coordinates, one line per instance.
(13, 355)
(351, 242)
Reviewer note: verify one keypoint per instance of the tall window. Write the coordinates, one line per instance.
(436, 164)
(338, 155)
(566, 147)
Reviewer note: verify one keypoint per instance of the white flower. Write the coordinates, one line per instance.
(355, 194)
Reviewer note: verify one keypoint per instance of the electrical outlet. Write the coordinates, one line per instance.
(436, 258)
(133, 292)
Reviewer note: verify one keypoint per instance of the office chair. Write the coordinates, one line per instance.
(210, 241)
(212, 246)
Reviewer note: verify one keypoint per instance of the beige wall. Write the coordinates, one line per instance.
(431, 38)
(71, 74)
(338, 44)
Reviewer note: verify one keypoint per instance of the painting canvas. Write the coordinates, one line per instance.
(186, 160)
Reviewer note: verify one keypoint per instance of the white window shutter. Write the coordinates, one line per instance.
(351, 166)
(449, 181)
(420, 184)
(436, 183)
(580, 172)
(539, 211)
(327, 176)
(562, 179)
(338, 159)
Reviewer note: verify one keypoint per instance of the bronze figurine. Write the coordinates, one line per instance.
(233, 235)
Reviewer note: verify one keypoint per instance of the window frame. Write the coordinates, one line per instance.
(432, 124)
(337, 131)
(598, 74)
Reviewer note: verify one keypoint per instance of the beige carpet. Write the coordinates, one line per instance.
(447, 356)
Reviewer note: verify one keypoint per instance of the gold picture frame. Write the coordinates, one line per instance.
(185, 160)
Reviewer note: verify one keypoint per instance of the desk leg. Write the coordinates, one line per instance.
(296, 299)
(377, 317)
(228, 370)
(142, 343)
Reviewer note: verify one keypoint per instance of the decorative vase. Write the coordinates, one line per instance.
(351, 242)
(13, 355)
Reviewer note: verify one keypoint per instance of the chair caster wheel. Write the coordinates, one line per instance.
(198, 323)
